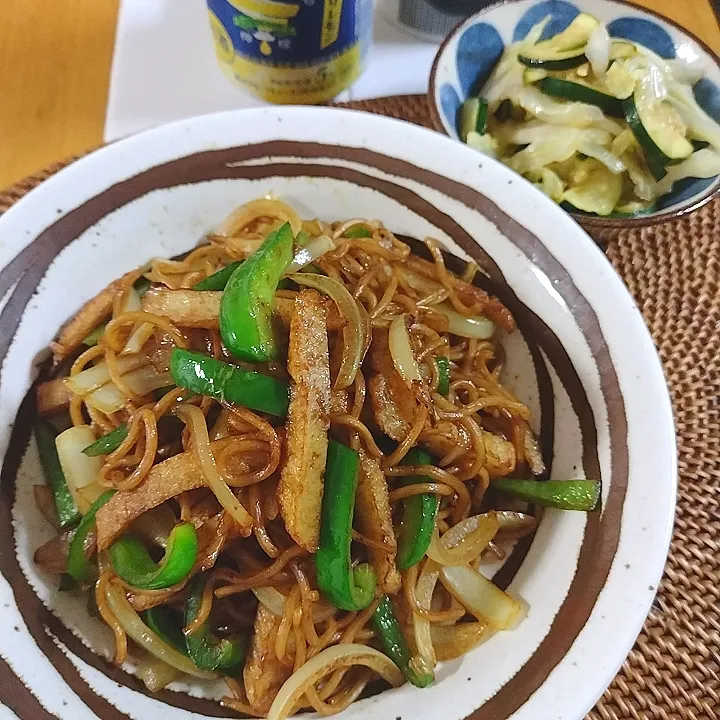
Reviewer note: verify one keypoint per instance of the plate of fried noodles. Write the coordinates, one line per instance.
(309, 411)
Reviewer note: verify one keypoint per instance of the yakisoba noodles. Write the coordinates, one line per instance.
(285, 457)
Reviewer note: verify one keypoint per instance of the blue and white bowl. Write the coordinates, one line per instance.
(474, 47)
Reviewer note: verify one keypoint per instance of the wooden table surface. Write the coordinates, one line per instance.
(55, 62)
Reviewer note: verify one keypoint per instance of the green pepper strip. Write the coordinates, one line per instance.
(94, 336)
(443, 367)
(582, 495)
(107, 443)
(79, 566)
(247, 303)
(395, 646)
(207, 376)
(205, 649)
(218, 280)
(159, 621)
(345, 587)
(67, 511)
(357, 231)
(418, 519)
(132, 562)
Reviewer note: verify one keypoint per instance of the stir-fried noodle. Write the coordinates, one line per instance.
(386, 352)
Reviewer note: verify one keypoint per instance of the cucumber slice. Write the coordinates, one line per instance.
(563, 51)
(573, 37)
(486, 144)
(532, 75)
(653, 127)
(473, 117)
(618, 81)
(599, 192)
(575, 92)
(634, 209)
(557, 61)
(666, 129)
(620, 49)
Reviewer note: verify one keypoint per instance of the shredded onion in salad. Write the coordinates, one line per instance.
(597, 50)
(553, 109)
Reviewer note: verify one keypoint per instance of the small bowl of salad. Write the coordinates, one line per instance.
(611, 110)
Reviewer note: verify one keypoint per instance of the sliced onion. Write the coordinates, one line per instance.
(401, 350)
(156, 674)
(80, 470)
(353, 335)
(272, 599)
(481, 597)
(453, 641)
(107, 399)
(687, 70)
(640, 176)
(366, 328)
(703, 163)
(98, 375)
(132, 301)
(140, 335)
(145, 637)
(465, 541)
(533, 456)
(265, 207)
(613, 163)
(703, 127)
(421, 284)
(144, 380)
(316, 248)
(597, 50)
(558, 112)
(478, 327)
(193, 417)
(515, 524)
(421, 626)
(325, 662)
(85, 497)
(538, 155)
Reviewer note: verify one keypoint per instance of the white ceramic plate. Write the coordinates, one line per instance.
(582, 359)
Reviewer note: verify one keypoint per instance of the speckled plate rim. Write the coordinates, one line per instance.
(588, 221)
(408, 158)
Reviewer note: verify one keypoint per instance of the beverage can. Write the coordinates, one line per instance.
(304, 52)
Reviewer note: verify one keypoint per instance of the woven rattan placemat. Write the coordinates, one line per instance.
(673, 271)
